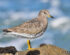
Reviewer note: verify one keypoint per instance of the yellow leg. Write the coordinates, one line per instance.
(29, 45)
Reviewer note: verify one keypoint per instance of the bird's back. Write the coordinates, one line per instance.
(33, 26)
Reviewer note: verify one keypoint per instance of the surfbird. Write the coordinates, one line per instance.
(31, 29)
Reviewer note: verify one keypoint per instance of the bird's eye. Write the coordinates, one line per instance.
(44, 12)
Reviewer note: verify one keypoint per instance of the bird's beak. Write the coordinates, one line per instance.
(50, 16)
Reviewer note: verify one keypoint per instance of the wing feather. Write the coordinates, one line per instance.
(31, 27)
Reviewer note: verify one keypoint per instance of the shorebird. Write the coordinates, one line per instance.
(31, 29)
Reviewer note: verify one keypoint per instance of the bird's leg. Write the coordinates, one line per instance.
(29, 45)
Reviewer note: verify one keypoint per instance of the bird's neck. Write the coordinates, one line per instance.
(43, 19)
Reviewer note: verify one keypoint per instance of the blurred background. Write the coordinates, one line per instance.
(15, 12)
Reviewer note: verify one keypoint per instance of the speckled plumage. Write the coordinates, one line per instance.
(31, 29)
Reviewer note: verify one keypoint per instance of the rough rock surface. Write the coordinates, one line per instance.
(42, 50)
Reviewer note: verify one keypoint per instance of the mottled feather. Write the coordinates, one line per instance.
(31, 27)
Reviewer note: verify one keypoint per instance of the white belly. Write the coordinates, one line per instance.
(24, 35)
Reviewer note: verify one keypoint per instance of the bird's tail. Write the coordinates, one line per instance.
(6, 30)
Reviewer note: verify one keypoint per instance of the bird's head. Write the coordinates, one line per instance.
(45, 13)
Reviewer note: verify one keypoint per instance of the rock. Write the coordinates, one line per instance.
(44, 50)
(6, 50)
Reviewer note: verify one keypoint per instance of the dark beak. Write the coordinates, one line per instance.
(50, 16)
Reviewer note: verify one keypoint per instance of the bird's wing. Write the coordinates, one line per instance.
(31, 27)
